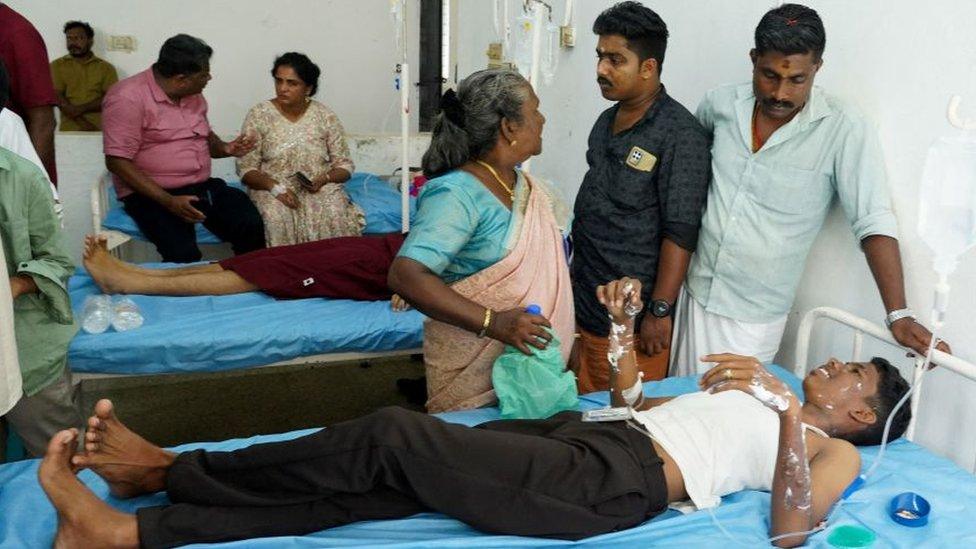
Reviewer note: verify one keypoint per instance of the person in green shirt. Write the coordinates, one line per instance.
(81, 80)
(38, 268)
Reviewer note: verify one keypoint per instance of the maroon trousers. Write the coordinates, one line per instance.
(352, 267)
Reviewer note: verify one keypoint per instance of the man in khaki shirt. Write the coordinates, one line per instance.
(81, 80)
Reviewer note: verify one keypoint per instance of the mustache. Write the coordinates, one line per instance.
(601, 80)
(778, 104)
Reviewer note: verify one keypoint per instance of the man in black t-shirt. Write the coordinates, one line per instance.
(639, 208)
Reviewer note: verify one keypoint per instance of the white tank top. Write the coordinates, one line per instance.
(722, 443)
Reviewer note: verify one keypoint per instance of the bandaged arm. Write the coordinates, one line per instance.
(626, 380)
(803, 494)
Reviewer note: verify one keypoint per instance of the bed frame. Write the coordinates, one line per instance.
(99, 209)
(862, 327)
(324, 358)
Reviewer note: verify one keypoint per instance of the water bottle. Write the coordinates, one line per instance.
(97, 314)
(126, 315)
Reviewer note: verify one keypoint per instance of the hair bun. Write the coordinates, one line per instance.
(452, 108)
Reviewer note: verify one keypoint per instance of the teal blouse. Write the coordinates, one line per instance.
(460, 227)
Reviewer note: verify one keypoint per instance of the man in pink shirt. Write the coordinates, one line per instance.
(158, 146)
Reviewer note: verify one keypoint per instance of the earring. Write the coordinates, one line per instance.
(512, 142)
(308, 99)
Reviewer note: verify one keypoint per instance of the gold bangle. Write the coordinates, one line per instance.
(486, 323)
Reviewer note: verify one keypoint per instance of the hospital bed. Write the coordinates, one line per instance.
(373, 194)
(216, 333)
(28, 520)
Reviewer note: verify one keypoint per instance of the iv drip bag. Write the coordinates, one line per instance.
(947, 199)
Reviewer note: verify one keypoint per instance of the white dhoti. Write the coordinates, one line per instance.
(698, 332)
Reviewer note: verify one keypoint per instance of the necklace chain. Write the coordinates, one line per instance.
(511, 193)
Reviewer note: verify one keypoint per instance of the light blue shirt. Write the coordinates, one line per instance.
(765, 209)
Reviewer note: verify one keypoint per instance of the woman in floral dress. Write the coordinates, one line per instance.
(297, 135)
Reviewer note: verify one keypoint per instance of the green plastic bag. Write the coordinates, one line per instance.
(533, 386)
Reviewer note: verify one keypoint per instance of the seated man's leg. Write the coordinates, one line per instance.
(38, 417)
(174, 238)
(232, 217)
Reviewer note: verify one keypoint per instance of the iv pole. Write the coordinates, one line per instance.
(404, 124)
(536, 6)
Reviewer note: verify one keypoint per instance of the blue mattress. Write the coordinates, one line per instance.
(28, 520)
(214, 333)
(376, 197)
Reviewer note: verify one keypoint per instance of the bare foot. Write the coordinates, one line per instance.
(110, 273)
(130, 464)
(99, 244)
(83, 519)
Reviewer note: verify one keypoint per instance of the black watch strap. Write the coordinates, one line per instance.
(661, 308)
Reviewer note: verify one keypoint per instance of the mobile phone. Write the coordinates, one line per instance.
(303, 180)
(620, 413)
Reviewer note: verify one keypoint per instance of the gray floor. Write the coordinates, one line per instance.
(170, 410)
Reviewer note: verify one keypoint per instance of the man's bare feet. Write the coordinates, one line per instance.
(99, 244)
(111, 274)
(83, 519)
(130, 464)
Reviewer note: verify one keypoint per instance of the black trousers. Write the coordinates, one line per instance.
(557, 477)
(231, 217)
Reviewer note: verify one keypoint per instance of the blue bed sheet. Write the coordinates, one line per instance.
(28, 520)
(375, 196)
(215, 333)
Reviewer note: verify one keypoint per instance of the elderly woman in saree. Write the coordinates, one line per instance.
(487, 241)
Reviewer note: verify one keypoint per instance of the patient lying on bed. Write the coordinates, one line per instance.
(559, 477)
(343, 268)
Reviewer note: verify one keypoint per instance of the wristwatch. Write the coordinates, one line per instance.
(898, 314)
(660, 308)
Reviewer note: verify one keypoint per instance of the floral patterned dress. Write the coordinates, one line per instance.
(313, 145)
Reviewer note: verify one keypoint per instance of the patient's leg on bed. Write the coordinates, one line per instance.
(117, 277)
(502, 482)
(174, 525)
(96, 247)
(83, 519)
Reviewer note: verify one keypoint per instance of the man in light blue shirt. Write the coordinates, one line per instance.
(781, 150)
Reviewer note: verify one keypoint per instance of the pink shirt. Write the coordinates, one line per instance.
(165, 139)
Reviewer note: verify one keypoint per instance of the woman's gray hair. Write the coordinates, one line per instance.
(470, 131)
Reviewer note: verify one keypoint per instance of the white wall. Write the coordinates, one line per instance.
(897, 61)
(352, 41)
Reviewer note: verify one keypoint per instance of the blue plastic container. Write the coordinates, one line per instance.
(909, 509)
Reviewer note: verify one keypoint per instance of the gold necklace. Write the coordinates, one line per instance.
(511, 193)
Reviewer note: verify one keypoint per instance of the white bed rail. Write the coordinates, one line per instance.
(862, 327)
(99, 209)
